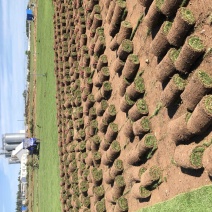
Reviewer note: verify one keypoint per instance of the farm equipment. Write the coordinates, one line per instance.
(31, 144)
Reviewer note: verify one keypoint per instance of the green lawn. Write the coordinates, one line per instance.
(46, 126)
(199, 200)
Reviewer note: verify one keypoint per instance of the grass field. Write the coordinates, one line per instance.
(198, 200)
(46, 192)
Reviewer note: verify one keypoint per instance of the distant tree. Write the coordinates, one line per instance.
(18, 194)
(24, 94)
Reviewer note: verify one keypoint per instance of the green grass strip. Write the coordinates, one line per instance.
(196, 43)
(173, 54)
(208, 103)
(179, 81)
(197, 200)
(187, 15)
(137, 25)
(205, 78)
(48, 173)
(167, 26)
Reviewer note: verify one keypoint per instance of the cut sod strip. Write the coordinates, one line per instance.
(124, 32)
(112, 153)
(199, 85)
(139, 192)
(126, 103)
(192, 49)
(121, 204)
(141, 126)
(150, 176)
(125, 49)
(189, 156)
(160, 45)
(173, 90)
(139, 109)
(131, 66)
(201, 117)
(110, 114)
(100, 206)
(136, 89)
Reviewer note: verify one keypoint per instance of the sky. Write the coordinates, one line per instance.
(13, 65)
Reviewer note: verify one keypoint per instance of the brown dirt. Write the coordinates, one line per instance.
(175, 180)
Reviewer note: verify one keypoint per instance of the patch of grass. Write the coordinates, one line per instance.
(155, 172)
(116, 146)
(103, 58)
(126, 24)
(179, 81)
(196, 156)
(173, 54)
(105, 71)
(121, 3)
(96, 9)
(157, 109)
(205, 78)
(159, 3)
(126, 81)
(112, 110)
(139, 84)
(184, 3)
(107, 86)
(144, 192)
(97, 174)
(196, 200)
(86, 201)
(141, 171)
(84, 186)
(137, 25)
(145, 123)
(97, 156)
(208, 52)
(101, 39)
(99, 191)
(134, 58)
(127, 45)
(119, 180)
(96, 139)
(119, 164)
(208, 103)
(123, 203)
(92, 111)
(114, 127)
(94, 123)
(100, 206)
(128, 100)
(48, 173)
(91, 97)
(188, 115)
(187, 15)
(150, 140)
(98, 16)
(104, 104)
(100, 31)
(142, 106)
(196, 43)
(124, 14)
(167, 26)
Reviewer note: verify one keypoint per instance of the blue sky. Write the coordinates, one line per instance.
(13, 63)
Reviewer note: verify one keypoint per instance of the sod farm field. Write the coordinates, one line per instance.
(121, 97)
